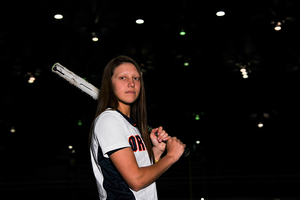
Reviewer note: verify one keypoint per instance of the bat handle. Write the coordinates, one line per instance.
(186, 152)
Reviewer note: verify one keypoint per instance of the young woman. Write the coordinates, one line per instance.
(126, 159)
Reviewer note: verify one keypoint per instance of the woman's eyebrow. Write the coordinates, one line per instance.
(126, 73)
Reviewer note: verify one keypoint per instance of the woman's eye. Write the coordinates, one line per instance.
(122, 78)
(137, 78)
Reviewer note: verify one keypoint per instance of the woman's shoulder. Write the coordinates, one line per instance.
(109, 120)
(108, 115)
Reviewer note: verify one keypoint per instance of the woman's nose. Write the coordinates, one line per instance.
(131, 83)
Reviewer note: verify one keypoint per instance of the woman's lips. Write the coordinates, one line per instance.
(130, 92)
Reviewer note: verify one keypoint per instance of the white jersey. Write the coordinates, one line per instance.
(114, 131)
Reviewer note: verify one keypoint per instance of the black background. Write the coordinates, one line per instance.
(235, 158)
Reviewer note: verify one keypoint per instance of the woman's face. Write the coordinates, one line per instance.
(126, 83)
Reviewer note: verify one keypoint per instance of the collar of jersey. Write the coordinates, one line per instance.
(130, 120)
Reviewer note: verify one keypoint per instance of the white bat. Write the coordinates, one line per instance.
(76, 80)
(86, 87)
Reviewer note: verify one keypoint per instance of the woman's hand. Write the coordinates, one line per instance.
(157, 136)
(175, 148)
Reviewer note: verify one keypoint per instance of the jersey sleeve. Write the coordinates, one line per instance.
(110, 132)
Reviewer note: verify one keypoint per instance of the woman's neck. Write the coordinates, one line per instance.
(124, 108)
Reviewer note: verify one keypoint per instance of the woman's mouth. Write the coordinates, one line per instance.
(130, 92)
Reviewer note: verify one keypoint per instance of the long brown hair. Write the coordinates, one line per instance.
(107, 98)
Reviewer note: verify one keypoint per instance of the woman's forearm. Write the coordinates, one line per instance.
(148, 175)
(157, 154)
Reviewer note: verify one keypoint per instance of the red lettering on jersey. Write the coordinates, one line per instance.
(136, 143)
(141, 144)
(132, 143)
